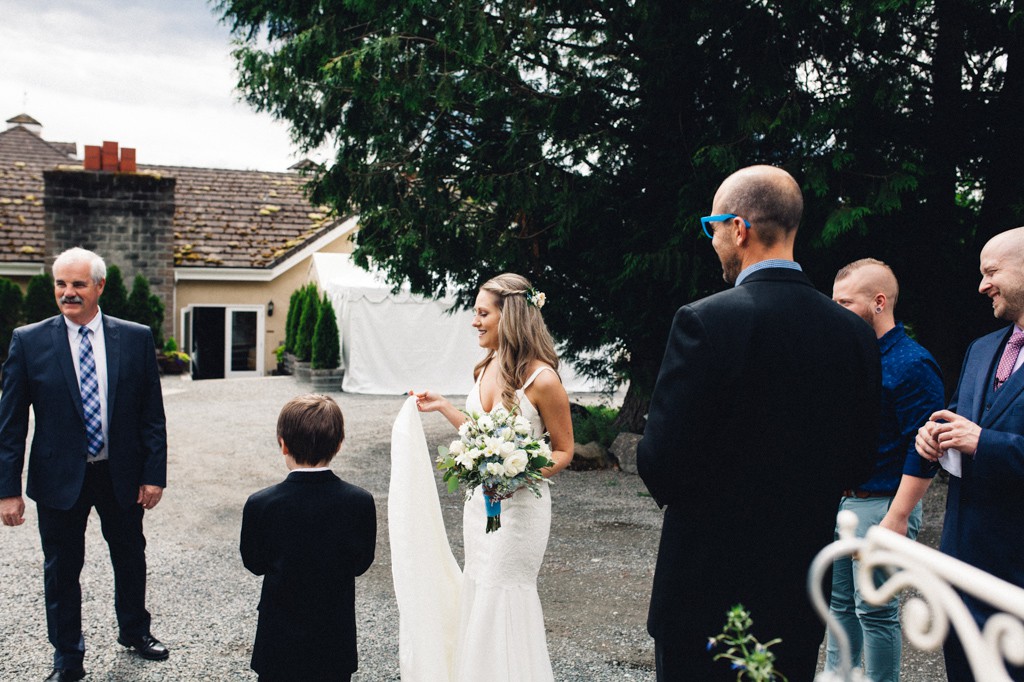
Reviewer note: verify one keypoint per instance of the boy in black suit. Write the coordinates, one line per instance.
(309, 536)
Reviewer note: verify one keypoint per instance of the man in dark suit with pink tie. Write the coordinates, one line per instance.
(100, 441)
(980, 440)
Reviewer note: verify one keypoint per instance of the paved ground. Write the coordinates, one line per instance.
(594, 584)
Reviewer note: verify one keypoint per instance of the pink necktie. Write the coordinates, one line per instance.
(1009, 358)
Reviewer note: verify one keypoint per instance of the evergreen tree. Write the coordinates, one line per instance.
(326, 339)
(145, 308)
(307, 324)
(291, 322)
(10, 313)
(114, 300)
(578, 143)
(39, 302)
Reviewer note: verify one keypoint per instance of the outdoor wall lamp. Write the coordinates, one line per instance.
(270, 308)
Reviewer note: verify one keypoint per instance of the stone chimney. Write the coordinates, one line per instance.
(126, 217)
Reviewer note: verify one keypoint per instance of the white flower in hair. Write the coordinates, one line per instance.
(537, 298)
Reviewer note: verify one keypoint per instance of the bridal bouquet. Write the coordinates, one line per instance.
(495, 451)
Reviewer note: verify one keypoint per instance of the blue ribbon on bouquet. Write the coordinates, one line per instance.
(493, 508)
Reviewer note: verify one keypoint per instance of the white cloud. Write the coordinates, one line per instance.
(150, 74)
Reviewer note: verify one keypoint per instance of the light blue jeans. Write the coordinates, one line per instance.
(873, 629)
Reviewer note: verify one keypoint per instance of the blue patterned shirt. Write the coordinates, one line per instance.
(911, 391)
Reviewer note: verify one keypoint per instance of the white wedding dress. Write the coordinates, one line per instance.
(487, 623)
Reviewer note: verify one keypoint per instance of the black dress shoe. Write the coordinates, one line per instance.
(147, 646)
(66, 675)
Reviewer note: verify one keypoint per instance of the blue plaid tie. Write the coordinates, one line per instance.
(90, 394)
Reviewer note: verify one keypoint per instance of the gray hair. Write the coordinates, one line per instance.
(97, 268)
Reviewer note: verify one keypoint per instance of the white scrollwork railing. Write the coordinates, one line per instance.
(927, 617)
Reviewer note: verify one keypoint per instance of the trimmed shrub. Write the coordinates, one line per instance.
(595, 423)
(114, 300)
(292, 320)
(326, 341)
(147, 309)
(39, 302)
(10, 313)
(307, 324)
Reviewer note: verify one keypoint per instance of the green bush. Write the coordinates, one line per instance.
(10, 313)
(292, 320)
(326, 341)
(597, 424)
(39, 302)
(307, 324)
(147, 309)
(114, 300)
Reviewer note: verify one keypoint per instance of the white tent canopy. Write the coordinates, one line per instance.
(393, 343)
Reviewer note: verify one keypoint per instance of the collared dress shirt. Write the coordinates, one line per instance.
(770, 263)
(911, 391)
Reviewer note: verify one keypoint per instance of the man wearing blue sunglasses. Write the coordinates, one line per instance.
(765, 409)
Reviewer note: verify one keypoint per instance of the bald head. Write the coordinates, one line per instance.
(768, 197)
(1006, 245)
(1002, 274)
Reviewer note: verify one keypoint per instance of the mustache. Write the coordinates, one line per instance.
(71, 299)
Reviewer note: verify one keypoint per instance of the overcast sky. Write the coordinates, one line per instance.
(156, 75)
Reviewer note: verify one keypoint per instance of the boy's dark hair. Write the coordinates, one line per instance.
(312, 427)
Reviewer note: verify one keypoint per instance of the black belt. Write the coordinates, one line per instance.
(862, 494)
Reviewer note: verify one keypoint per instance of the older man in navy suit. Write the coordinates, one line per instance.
(980, 440)
(100, 441)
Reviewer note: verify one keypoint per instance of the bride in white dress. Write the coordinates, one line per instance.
(501, 635)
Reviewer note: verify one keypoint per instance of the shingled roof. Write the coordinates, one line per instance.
(222, 219)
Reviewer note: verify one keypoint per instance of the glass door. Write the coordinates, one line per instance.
(243, 346)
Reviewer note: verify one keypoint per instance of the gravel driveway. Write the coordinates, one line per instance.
(594, 584)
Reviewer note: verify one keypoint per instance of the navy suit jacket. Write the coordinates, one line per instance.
(309, 537)
(984, 523)
(40, 373)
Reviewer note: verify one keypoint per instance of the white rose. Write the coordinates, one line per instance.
(516, 462)
(485, 423)
(508, 434)
(495, 469)
(474, 454)
(522, 425)
(506, 449)
(457, 447)
(465, 460)
(500, 415)
(464, 429)
(492, 446)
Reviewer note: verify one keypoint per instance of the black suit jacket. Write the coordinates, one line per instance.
(40, 373)
(309, 536)
(766, 407)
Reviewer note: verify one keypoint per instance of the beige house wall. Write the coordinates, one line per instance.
(190, 292)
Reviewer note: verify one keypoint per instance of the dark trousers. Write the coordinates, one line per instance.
(63, 539)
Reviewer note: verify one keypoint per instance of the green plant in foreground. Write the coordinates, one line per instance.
(751, 659)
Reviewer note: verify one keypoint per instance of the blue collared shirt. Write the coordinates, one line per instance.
(761, 265)
(911, 391)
